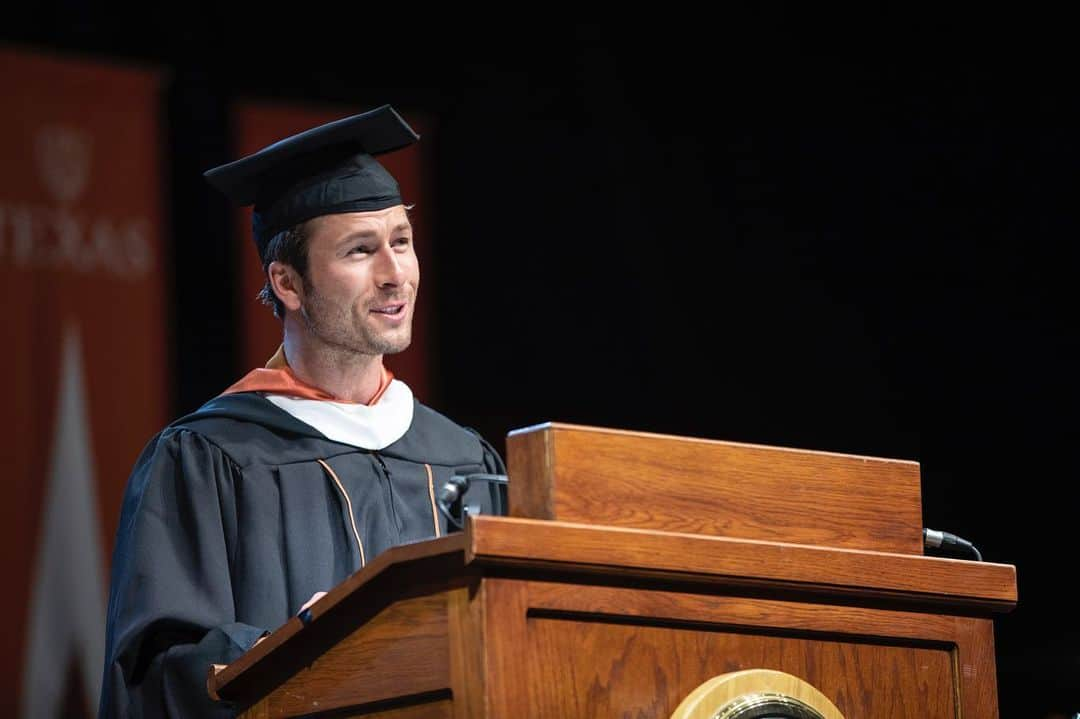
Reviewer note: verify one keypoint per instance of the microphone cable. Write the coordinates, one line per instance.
(933, 539)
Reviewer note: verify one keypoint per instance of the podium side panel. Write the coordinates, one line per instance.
(467, 671)
(571, 650)
(507, 684)
(399, 660)
(977, 668)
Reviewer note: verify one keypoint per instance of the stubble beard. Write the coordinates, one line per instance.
(340, 331)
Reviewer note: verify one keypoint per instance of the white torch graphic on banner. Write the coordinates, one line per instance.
(67, 600)
(63, 157)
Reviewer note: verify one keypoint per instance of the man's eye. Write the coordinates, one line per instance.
(359, 249)
(402, 241)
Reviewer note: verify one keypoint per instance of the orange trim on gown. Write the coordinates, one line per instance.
(278, 378)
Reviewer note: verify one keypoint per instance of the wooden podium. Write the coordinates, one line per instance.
(635, 568)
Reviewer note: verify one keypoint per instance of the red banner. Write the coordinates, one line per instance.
(258, 125)
(81, 286)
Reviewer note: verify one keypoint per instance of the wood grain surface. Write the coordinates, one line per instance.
(970, 637)
(468, 674)
(677, 484)
(416, 571)
(841, 573)
(588, 651)
(520, 617)
(434, 709)
(401, 651)
(646, 671)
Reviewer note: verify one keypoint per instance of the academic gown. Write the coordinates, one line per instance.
(234, 516)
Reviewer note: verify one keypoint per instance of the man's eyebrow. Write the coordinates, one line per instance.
(363, 234)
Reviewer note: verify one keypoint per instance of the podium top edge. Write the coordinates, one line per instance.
(565, 426)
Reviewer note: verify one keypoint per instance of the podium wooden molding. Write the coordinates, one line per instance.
(549, 618)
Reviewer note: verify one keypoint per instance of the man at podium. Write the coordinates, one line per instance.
(304, 470)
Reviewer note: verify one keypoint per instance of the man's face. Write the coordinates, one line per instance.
(362, 279)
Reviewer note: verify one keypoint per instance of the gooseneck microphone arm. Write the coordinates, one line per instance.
(451, 496)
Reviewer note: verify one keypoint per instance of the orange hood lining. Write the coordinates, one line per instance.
(277, 377)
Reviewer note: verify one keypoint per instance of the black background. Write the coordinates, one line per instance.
(849, 231)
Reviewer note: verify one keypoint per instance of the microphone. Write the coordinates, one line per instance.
(932, 539)
(454, 489)
(451, 497)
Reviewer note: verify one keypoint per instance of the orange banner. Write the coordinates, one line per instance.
(81, 286)
(258, 125)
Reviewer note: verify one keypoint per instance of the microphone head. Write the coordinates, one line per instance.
(453, 489)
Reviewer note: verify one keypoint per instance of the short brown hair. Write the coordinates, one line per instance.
(288, 246)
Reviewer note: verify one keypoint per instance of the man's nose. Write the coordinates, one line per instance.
(390, 268)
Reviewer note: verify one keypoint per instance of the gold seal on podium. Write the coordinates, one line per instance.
(756, 694)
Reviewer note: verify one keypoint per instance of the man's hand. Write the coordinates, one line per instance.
(314, 598)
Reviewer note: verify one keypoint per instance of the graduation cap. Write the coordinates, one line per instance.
(322, 171)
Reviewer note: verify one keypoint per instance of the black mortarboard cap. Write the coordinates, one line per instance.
(322, 171)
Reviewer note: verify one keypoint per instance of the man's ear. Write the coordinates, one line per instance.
(286, 284)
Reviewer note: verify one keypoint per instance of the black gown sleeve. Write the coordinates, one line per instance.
(495, 501)
(493, 463)
(171, 609)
